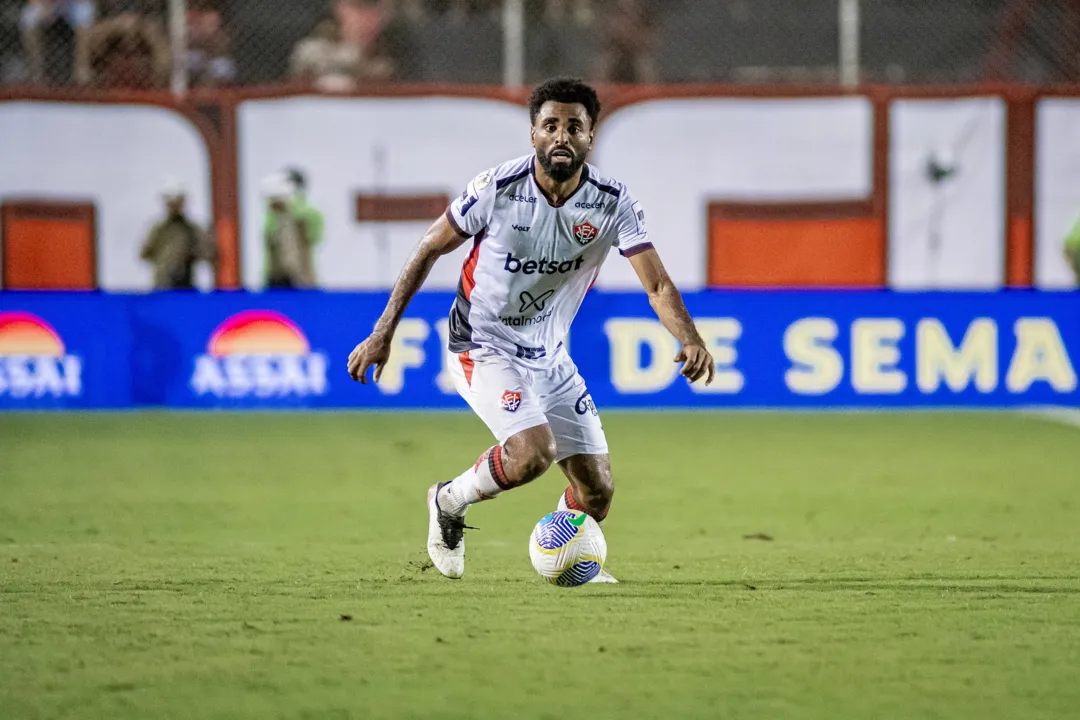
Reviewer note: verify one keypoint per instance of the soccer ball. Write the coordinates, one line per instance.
(567, 548)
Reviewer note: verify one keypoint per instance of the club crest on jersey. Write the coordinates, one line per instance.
(585, 233)
(511, 401)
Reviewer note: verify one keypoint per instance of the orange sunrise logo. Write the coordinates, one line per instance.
(261, 354)
(34, 362)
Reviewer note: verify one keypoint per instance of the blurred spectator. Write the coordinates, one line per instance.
(630, 42)
(325, 60)
(412, 11)
(343, 50)
(396, 44)
(364, 23)
(360, 21)
(176, 243)
(208, 58)
(54, 29)
(305, 213)
(13, 67)
(1072, 250)
(130, 51)
(289, 243)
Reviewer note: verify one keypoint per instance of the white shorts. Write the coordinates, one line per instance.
(510, 398)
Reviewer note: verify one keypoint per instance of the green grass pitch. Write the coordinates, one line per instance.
(787, 566)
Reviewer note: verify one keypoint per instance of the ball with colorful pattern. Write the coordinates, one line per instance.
(567, 548)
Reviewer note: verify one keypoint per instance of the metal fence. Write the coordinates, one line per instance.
(340, 44)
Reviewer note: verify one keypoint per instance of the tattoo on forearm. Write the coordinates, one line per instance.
(410, 280)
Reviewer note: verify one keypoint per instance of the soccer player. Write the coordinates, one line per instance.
(541, 227)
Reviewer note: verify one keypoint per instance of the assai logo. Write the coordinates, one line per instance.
(260, 354)
(33, 360)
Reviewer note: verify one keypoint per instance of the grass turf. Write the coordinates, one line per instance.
(156, 565)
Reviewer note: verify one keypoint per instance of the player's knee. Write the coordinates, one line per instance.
(540, 457)
(531, 454)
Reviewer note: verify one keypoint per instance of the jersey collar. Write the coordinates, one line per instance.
(582, 183)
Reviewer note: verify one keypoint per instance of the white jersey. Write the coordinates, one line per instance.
(532, 262)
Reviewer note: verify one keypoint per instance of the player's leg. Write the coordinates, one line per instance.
(501, 394)
(591, 487)
(581, 445)
(591, 490)
(518, 460)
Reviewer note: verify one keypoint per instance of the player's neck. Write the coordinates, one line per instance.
(556, 192)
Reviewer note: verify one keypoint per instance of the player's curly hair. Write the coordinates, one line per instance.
(564, 90)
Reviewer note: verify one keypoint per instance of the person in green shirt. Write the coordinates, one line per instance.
(1072, 250)
(309, 218)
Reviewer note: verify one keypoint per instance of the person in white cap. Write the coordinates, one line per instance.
(289, 242)
(176, 243)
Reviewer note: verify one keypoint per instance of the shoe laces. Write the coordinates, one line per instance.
(453, 529)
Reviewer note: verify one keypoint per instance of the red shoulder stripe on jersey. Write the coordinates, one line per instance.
(467, 365)
(453, 223)
(467, 280)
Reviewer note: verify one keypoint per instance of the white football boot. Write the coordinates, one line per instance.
(604, 576)
(446, 537)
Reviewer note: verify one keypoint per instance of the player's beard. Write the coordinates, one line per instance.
(560, 172)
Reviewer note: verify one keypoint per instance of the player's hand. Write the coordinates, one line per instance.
(373, 351)
(696, 362)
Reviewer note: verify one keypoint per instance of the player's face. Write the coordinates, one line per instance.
(562, 136)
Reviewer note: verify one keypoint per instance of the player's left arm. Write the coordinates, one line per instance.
(668, 305)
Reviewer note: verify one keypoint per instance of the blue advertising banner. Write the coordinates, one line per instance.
(283, 349)
(840, 349)
(773, 349)
(64, 350)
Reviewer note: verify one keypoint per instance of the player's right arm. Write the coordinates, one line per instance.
(440, 239)
(466, 216)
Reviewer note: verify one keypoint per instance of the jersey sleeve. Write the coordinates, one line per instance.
(470, 212)
(633, 237)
